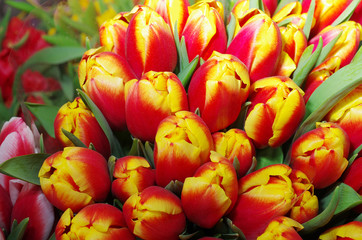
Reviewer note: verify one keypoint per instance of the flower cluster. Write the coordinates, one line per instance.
(210, 120)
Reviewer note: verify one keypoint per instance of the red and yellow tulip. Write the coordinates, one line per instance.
(282, 228)
(102, 75)
(155, 213)
(352, 177)
(351, 230)
(290, 9)
(182, 144)
(235, 144)
(131, 175)
(347, 113)
(211, 192)
(204, 30)
(75, 178)
(258, 44)
(218, 88)
(96, 221)
(263, 195)
(277, 107)
(168, 97)
(77, 119)
(150, 45)
(321, 154)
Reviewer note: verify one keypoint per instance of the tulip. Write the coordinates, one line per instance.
(242, 7)
(132, 174)
(31, 203)
(270, 5)
(204, 30)
(347, 44)
(75, 178)
(172, 12)
(321, 154)
(258, 45)
(155, 213)
(282, 228)
(210, 193)
(102, 75)
(218, 88)
(235, 144)
(16, 139)
(294, 41)
(77, 119)
(351, 230)
(276, 109)
(150, 43)
(182, 144)
(325, 12)
(96, 221)
(5, 210)
(347, 113)
(352, 177)
(307, 205)
(292, 8)
(112, 33)
(263, 195)
(319, 74)
(168, 97)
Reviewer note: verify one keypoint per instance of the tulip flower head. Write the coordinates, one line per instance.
(131, 174)
(351, 230)
(75, 178)
(282, 228)
(218, 88)
(182, 144)
(96, 221)
(102, 75)
(277, 107)
(168, 97)
(321, 154)
(155, 213)
(77, 119)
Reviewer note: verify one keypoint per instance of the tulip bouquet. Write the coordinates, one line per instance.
(189, 120)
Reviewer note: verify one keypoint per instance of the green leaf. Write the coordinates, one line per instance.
(4, 25)
(268, 156)
(258, 4)
(24, 167)
(324, 217)
(41, 143)
(354, 155)
(347, 13)
(348, 199)
(52, 237)
(20, 42)
(134, 151)
(181, 49)
(285, 22)
(61, 40)
(358, 56)
(111, 163)
(230, 28)
(149, 153)
(18, 230)
(307, 63)
(327, 49)
(309, 20)
(358, 218)
(85, 28)
(76, 141)
(45, 114)
(115, 146)
(186, 74)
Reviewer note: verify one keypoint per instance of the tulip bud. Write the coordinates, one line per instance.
(182, 144)
(347, 44)
(75, 178)
(276, 109)
(155, 213)
(282, 228)
(168, 97)
(294, 41)
(347, 113)
(204, 30)
(351, 230)
(102, 75)
(319, 74)
(150, 43)
(218, 88)
(132, 174)
(235, 144)
(306, 206)
(112, 33)
(96, 221)
(210, 193)
(242, 7)
(5, 210)
(172, 12)
(263, 195)
(292, 8)
(258, 45)
(31, 203)
(77, 119)
(321, 154)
